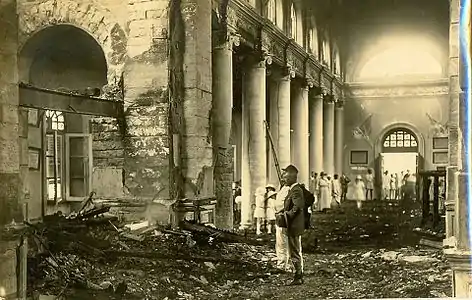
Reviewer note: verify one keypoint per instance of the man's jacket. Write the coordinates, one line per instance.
(293, 208)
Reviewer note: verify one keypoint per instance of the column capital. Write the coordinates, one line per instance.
(226, 40)
(309, 82)
(339, 103)
(316, 91)
(258, 59)
(328, 99)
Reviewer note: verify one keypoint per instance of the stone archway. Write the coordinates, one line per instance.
(90, 17)
(378, 149)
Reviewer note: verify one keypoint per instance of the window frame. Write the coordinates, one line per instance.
(293, 21)
(435, 160)
(365, 162)
(438, 140)
(88, 170)
(272, 4)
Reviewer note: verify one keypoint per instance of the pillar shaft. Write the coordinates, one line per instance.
(339, 138)
(458, 186)
(10, 183)
(222, 108)
(328, 136)
(279, 122)
(316, 132)
(254, 137)
(300, 126)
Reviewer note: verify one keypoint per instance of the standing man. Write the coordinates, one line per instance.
(293, 214)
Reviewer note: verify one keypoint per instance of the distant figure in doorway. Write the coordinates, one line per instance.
(358, 191)
(398, 186)
(369, 185)
(325, 197)
(385, 186)
(344, 185)
(259, 212)
(336, 190)
(392, 187)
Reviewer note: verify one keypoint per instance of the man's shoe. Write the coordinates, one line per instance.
(296, 281)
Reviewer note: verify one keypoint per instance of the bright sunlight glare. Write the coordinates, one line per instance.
(401, 59)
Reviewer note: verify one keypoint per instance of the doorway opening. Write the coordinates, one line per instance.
(400, 155)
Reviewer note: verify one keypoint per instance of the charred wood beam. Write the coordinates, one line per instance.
(40, 98)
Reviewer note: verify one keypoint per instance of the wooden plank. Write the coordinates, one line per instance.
(39, 98)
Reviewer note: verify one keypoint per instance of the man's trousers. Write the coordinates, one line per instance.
(295, 253)
(281, 249)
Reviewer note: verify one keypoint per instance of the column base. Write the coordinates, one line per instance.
(460, 262)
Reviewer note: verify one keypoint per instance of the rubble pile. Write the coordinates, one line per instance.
(97, 254)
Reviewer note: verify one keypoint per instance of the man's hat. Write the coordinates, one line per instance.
(270, 186)
(291, 168)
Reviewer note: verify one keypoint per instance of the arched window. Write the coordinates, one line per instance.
(271, 11)
(293, 19)
(400, 140)
(313, 39)
(337, 61)
(326, 58)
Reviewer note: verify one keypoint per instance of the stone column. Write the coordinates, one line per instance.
(300, 126)
(254, 136)
(280, 119)
(10, 182)
(460, 256)
(222, 111)
(328, 135)
(339, 137)
(316, 130)
(146, 103)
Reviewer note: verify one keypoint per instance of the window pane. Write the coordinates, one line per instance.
(413, 144)
(400, 143)
(407, 143)
(77, 167)
(76, 146)
(393, 144)
(393, 137)
(77, 187)
(386, 144)
(407, 137)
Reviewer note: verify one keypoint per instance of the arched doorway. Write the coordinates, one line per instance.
(400, 154)
(62, 58)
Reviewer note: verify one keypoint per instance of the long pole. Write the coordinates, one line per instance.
(274, 152)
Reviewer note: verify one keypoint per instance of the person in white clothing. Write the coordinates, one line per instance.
(259, 212)
(336, 190)
(281, 239)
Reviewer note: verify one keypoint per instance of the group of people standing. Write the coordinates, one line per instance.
(328, 192)
(394, 187)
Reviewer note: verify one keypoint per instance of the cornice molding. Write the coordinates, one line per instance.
(417, 89)
(262, 35)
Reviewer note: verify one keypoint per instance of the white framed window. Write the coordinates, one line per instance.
(336, 61)
(78, 165)
(293, 22)
(68, 158)
(313, 41)
(271, 11)
(326, 56)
